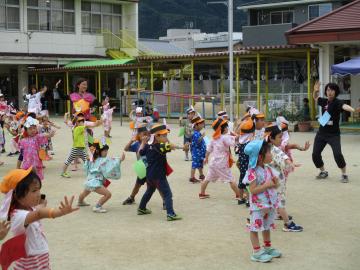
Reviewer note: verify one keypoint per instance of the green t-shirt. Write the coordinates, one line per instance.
(79, 136)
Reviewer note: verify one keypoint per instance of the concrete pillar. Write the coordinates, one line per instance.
(78, 17)
(326, 59)
(23, 75)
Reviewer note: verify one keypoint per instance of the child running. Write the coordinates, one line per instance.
(78, 149)
(28, 249)
(220, 161)
(98, 170)
(263, 200)
(31, 144)
(198, 149)
(157, 170)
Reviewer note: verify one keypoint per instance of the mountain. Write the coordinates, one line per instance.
(156, 16)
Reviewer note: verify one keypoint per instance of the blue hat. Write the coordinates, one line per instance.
(252, 149)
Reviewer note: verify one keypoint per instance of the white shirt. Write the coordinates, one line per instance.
(36, 243)
(34, 102)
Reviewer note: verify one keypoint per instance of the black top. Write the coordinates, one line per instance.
(156, 160)
(334, 108)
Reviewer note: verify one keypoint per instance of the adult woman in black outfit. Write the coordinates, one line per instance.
(329, 131)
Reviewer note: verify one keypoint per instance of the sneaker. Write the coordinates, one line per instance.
(173, 218)
(3, 151)
(143, 211)
(322, 175)
(273, 252)
(51, 153)
(129, 201)
(186, 158)
(83, 203)
(241, 201)
(204, 196)
(344, 179)
(247, 204)
(10, 154)
(65, 175)
(292, 227)
(99, 209)
(261, 256)
(194, 180)
(202, 177)
(16, 153)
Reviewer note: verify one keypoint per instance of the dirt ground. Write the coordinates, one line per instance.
(212, 234)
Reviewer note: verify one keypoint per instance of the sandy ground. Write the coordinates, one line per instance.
(212, 234)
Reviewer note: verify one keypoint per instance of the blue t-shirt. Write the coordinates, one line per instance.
(134, 147)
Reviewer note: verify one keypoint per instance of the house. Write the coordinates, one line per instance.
(267, 21)
(337, 37)
(52, 33)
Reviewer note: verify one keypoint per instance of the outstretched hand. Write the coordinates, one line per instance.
(306, 146)
(66, 206)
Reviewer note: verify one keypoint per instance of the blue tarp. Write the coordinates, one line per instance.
(350, 67)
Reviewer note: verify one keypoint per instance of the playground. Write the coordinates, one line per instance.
(212, 233)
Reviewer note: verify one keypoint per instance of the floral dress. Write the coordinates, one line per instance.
(99, 170)
(262, 205)
(29, 148)
(198, 150)
(107, 117)
(280, 168)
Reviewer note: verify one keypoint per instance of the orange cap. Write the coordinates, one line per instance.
(13, 177)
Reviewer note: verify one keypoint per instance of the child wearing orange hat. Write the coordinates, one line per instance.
(78, 149)
(157, 170)
(220, 161)
(22, 206)
(247, 132)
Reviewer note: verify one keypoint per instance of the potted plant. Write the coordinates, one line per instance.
(304, 125)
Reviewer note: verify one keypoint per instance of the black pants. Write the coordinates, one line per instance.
(321, 140)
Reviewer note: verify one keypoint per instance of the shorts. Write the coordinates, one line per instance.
(141, 181)
(262, 220)
(187, 140)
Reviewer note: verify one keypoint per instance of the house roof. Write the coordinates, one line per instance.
(260, 4)
(214, 44)
(98, 63)
(342, 24)
(161, 47)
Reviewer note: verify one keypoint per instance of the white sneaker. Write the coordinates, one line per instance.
(186, 158)
(99, 209)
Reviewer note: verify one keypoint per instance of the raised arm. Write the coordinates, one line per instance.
(316, 93)
(43, 90)
(45, 212)
(348, 108)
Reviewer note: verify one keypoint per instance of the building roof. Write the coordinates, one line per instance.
(161, 47)
(51, 55)
(214, 44)
(260, 4)
(98, 63)
(342, 24)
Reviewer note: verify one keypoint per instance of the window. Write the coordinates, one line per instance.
(96, 16)
(280, 17)
(51, 15)
(319, 10)
(9, 14)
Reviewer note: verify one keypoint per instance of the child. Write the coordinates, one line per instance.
(223, 115)
(263, 200)
(190, 114)
(246, 129)
(133, 146)
(221, 161)
(31, 144)
(138, 118)
(98, 170)
(34, 99)
(157, 170)
(78, 149)
(46, 127)
(198, 149)
(281, 164)
(107, 117)
(22, 208)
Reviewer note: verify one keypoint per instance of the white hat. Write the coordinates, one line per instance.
(138, 110)
(222, 114)
(190, 110)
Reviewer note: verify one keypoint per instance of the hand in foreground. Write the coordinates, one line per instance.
(66, 206)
